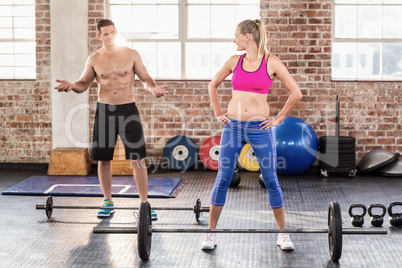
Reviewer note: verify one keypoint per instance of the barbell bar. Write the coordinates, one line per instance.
(133, 230)
(48, 207)
(144, 231)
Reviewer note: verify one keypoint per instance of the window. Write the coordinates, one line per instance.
(17, 39)
(367, 40)
(180, 39)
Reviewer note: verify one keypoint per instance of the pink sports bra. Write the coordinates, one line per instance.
(256, 82)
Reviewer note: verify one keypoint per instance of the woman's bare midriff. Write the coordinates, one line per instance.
(248, 106)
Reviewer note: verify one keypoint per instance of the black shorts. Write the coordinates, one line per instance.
(112, 120)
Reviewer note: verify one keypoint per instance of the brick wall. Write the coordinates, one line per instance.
(25, 106)
(299, 34)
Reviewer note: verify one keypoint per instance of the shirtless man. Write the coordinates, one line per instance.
(114, 68)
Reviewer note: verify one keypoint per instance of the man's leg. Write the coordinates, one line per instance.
(105, 178)
(103, 143)
(141, 178)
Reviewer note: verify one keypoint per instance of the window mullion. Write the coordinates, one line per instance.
(382, 40)
(13, 39)
(381, 59)
(357, 61)
(183, 34)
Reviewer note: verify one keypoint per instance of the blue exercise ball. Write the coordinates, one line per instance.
(296, 146)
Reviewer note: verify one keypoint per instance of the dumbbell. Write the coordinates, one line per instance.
(377, 220)
(357, 220)
(395, 219)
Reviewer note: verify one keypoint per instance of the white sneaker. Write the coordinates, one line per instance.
(284, 242)
(209, 241)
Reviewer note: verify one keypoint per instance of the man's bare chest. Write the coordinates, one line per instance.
(107, 67)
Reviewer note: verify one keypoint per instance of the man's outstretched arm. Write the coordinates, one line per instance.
(147, 81)
(82, 84)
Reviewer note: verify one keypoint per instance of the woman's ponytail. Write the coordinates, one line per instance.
(257, 29)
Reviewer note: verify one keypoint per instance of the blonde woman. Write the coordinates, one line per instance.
(248, 120)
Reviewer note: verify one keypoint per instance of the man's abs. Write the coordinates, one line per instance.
(116, 89)
(116, 96)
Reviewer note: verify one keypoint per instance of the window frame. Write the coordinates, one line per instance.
(183, 38)
(14, 40)
(381, 41)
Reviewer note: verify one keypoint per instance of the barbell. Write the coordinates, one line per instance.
(144, 231)
(48, 207)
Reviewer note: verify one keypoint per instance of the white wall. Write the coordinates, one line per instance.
(69, 51)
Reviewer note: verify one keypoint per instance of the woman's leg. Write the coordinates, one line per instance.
(264, 147)
(230, 148)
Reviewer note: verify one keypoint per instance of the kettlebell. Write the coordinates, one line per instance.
(395, 219)
(377, 220)
(357, 220)
(235, 179)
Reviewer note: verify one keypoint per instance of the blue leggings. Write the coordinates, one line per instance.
(235, 135)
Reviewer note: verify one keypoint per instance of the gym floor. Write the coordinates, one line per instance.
(66, 240)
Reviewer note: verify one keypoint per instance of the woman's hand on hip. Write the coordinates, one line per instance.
(223, 119)
(270, 121)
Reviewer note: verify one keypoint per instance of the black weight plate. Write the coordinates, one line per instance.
(339, 142)
(338, 156)
(335, 231)
(49, 206)
(338, 153)
(338, 168)
(197, 209)
(144, 233)
(336, 140)
(326, 150)
(339, 165)
(338, 160)
(336, 147)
